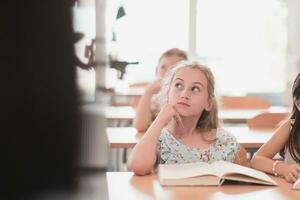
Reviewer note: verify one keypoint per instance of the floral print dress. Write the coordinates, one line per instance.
(172, 151)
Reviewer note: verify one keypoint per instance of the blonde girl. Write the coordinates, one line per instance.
(186, 129)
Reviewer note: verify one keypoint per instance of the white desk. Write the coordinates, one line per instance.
(130, 92)
(127, 113)
(114, 115)
(127, 137)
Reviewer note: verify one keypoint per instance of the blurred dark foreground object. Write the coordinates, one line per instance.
(39, 129)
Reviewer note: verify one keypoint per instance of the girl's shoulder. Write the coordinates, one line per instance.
(285, 126)
(227, 143)
(284, 130)
(287, 122)
(165, 135)
(224, 136)
(164, 132)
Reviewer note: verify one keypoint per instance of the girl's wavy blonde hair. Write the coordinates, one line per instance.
(208, 119)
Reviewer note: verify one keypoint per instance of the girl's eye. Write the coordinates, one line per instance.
(163, 67)
(178, 85)
(195, 89)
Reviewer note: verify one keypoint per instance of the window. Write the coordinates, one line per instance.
(147, 30)
(244, 42)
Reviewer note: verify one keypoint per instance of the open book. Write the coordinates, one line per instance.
(202, 173)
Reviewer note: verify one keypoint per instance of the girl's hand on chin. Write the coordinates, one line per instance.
(167, 113)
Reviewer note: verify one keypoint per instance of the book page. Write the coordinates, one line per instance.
(227, 168)
(208, 180)
(179, 171)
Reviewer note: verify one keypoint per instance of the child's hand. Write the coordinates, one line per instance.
(154, 87)
(167, 113)
(292, 173)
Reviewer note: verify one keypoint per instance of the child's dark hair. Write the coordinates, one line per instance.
(293, 143)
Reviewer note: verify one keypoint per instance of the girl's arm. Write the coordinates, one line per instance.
(144, 154)
(263, 159)
(143, 116)
(143, 113)
(241, 157)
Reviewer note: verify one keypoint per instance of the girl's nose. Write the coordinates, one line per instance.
(185, 94)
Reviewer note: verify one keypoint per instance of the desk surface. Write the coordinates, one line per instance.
(127, 137)
(119, 112)
(124, 185)
(110, 112)
(228, 116)
(242, 115)
(130, 92)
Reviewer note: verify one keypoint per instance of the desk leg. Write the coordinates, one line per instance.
(115, 161)
(118, 157)
(118, 160)
(124, 159)
(124, 156)
(124, 123)
(112, 162)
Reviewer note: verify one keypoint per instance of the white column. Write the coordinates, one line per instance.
(192, 29)
(100, 52)
(94, 151)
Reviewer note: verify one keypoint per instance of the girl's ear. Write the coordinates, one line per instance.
(210, 105)
(297, 103)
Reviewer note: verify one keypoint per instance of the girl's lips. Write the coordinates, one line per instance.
(184, 104)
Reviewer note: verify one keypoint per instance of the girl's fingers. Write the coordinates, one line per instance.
(289, 178)
(170, 112)
(178, 119)
(294, 174)
(297, 167)
(294, 179)
(175, 117)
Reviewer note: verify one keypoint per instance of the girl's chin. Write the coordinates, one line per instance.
(186, 113)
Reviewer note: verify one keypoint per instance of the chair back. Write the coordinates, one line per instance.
(267, 120)
(244, 102)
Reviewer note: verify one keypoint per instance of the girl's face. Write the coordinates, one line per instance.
(188, 92)
(165, 64)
